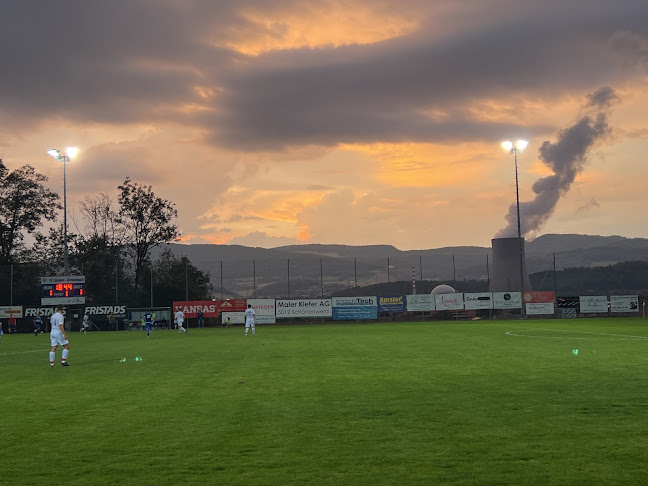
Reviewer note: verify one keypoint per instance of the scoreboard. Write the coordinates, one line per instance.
(67, 289)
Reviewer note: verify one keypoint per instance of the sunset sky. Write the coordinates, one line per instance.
(352, 122)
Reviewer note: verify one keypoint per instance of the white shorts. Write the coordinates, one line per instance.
(249, 323)
(57, 339)
(180, 323)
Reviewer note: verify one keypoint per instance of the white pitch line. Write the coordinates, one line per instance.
(23, 352)
(568, 330)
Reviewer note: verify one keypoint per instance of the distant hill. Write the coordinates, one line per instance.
(310, 270)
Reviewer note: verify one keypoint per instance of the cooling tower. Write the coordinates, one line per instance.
(506, 266)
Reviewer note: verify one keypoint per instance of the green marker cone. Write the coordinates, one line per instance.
(123, 360)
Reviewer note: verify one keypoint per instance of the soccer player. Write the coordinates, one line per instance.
(12, 324)
(179, 317)
(250, 320)
(84, 324)
(149, 317)
(58, 337)
(38, 323)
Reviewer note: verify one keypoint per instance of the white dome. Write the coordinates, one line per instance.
(443, 289)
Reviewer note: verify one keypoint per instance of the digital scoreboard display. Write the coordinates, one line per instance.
(63, 290)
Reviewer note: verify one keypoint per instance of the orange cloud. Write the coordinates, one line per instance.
(314, 25)
(429, 165)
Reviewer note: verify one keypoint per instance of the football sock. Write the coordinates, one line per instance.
(52, 356)
(65, 355)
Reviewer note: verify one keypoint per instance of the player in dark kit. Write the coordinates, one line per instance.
(148, 322)
(38, 324)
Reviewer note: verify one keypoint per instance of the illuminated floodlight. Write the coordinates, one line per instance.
(70, 152)
(515, 149)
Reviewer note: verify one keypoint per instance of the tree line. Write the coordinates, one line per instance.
(112, 245)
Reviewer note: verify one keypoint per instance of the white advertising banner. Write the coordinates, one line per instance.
(63, 279)
(506, 300)
(7, 311)
(235, 317)
(304, 308)
(481, 300)
(593, 303)
(420, 303)
(537, 308)
(449, 301)
(264, 309)
(624, 303)
(355, 301)
(350, 308)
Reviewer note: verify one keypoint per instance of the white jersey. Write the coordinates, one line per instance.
(179, 318)
(85, 321)
(249, 315)
(57, 322)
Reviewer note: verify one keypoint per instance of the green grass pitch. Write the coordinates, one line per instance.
(461, 403)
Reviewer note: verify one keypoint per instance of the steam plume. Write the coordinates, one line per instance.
(566, 158)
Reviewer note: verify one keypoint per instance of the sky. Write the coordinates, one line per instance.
(355, 122)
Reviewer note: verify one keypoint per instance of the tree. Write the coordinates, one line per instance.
(48, 250)
(102, 220)
(98, 251)
(174, 278)
(147, 220)
(24, 203)
(106, 280)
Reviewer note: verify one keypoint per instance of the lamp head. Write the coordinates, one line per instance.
(518, 146)
(54, 153)
(71, 152)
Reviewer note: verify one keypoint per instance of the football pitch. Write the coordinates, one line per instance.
(551, 402)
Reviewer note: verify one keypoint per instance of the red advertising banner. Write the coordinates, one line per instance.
(539, 297)
(209, 308)
(232, 305)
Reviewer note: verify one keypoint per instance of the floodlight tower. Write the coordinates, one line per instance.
(69, 154)
(514, 149)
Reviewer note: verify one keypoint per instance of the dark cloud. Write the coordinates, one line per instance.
(381, 92)
(123, 60)
(588, 206)
(632, 47)
(128, 61)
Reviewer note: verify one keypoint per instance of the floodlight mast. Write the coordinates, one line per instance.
(70, 152)
(515, 149)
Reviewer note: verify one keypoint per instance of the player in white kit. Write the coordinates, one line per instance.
(179, 317)
(58, 337)
(250, 320)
